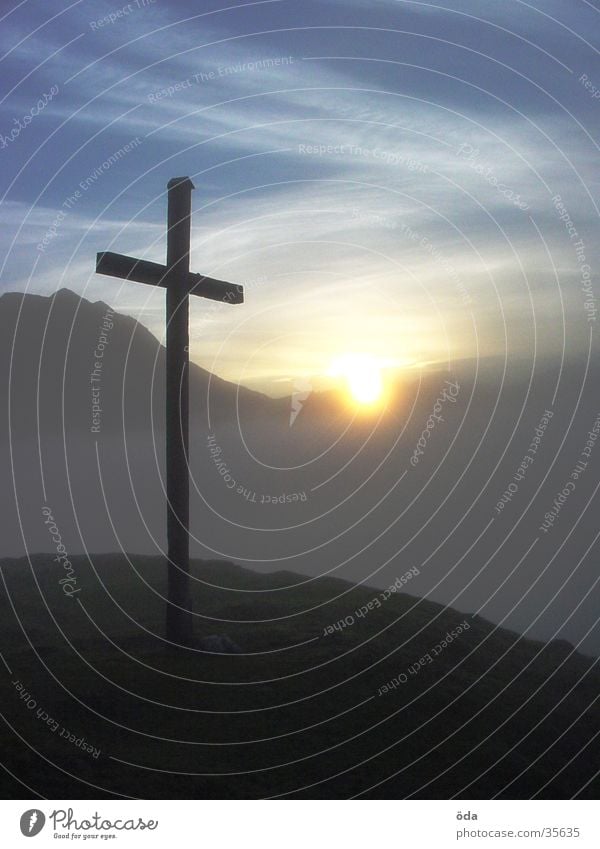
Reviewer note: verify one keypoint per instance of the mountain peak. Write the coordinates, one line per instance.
(65, 294)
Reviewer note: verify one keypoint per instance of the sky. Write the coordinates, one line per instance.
(414, 182)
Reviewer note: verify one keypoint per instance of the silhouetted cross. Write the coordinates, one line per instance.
(179, 282)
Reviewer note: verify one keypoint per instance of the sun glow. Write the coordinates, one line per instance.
(363, 376)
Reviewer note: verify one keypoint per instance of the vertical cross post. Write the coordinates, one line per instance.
(179, 282)
(179, 615)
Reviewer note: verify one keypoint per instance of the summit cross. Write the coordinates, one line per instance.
(179, 283)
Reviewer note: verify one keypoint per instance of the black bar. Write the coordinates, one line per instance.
(216, 290)
(142, 271)
(179, 627)
(139, 270)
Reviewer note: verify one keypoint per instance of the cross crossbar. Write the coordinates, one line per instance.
(143, 271)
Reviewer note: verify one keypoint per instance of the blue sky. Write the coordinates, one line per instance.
(383, 176)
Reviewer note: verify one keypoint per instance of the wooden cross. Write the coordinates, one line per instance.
(179, 282)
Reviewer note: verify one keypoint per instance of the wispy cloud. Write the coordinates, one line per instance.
(384, 180)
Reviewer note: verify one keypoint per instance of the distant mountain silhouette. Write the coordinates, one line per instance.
(47, 351)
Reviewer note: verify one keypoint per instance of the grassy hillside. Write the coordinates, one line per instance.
(298, 712)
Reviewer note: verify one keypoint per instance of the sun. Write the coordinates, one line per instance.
(363, 376)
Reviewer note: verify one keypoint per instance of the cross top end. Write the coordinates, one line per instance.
(180, 181)
(153, 273)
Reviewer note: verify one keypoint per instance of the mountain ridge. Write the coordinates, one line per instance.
(51, 342)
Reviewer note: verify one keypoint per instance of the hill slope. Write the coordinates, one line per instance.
(299, 712)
